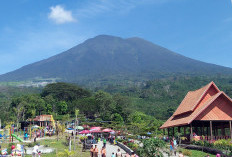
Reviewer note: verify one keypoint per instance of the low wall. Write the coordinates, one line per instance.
(125, 148)
(204, 149)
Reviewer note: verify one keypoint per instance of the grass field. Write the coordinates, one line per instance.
(195, 153)
(59, 147)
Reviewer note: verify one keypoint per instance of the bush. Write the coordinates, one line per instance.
(150, 147)
(119, 140)
(9, 147)
(187, 152)
(203, 143)
(32, 144)
(130, 144)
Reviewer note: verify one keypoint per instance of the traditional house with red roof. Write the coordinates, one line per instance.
(206, 111)
(44, 120)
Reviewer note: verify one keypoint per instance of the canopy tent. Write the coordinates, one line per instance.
(95, 131)
(108, 130)
(35, 126)
(85, 126)
(79, 128)
(84, 132)
(95, 128)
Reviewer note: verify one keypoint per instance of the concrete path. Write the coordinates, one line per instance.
(166, 155)
(110, 149)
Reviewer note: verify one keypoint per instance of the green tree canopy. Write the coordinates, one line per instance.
(65, 91)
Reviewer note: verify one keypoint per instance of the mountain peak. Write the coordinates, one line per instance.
(108, 57)
(105, 37)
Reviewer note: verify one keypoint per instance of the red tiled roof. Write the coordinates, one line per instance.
(194, 104)
(43, 118)
(192, 99)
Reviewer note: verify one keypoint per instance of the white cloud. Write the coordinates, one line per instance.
(59, 15)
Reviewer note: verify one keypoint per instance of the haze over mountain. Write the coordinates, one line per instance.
(113, 57)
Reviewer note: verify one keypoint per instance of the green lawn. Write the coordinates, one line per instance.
(196, 153)
(59, 147)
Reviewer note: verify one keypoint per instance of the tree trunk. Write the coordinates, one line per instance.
(75, 126)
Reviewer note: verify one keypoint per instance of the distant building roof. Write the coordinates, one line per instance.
(206, 103)
(43, 118)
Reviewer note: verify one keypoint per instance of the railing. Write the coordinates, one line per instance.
(208, 138)
(125, 148)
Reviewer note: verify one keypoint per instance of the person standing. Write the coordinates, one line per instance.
(180, 154)
(91, 151)
(103, 151)
(118, 154)
(174, 146)
(104, 142)
(35, 150)
(127, 155)
(95, 152)
(133, 154)
(171, 147)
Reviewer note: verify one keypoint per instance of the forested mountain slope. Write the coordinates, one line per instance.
(109, 58)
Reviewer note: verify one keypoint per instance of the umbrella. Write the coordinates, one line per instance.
(35, 126)
(79, 128)
(108, 130)
(85, 126)
(96, 128)
(84, 132)
(112, 132)
(95, 131)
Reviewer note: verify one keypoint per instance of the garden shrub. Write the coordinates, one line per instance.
(187, 152)
(32, 144)
(9, 147)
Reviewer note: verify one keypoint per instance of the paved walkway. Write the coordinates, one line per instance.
(166, 155)
(110, 148)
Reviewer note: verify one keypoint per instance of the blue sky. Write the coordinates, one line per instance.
(34, 30)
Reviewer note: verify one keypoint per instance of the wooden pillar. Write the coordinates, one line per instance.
(191, 132)
(184, 130)
(230, 130)
(168, 133)
(196, 131)
(211, 131)
(173, 133)
(203, 130)
(164, 131)
(223, 131)
(178, 129)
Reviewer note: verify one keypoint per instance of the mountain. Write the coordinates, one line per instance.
(112, 58)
